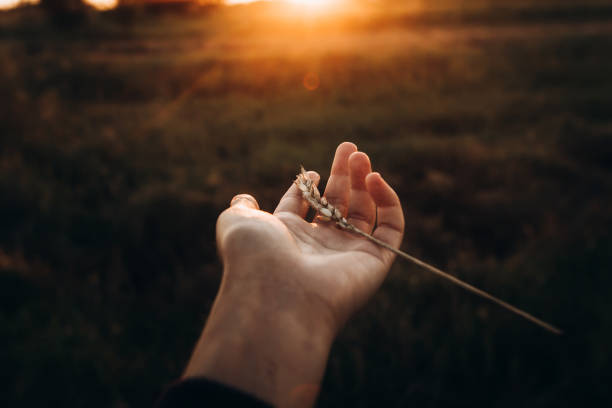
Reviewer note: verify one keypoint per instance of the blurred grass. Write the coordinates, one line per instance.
(123, 139)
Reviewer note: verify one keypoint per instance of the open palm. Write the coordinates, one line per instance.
(334, 270)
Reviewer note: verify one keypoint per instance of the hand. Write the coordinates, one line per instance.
(334, 268)
(290, 285)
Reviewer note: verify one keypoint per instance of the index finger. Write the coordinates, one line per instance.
(338, 186)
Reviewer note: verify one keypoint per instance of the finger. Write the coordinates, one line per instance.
(292, 201)
(240, 205)
(338, 186)
(245, 200)
(390, 223)
(361, 210)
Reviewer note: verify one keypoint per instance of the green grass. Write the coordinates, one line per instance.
(123, 138)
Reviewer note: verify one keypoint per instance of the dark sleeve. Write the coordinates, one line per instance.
(200, 392)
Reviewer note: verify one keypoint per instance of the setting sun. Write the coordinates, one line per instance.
(316, 7)
(311, 4)
(314, 3)
(103, 4)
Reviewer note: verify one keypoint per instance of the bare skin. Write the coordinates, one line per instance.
(289, 285)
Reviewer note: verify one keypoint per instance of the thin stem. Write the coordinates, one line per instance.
(457, 281)
(327, 211)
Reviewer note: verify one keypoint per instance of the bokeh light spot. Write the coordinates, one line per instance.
(103, 4)
(311, 81)
(9, 4)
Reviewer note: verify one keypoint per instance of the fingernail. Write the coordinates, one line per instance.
(246, 200)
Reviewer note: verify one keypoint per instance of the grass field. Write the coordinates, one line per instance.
(123, 137)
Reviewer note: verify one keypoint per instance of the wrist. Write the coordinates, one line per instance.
(267, 338)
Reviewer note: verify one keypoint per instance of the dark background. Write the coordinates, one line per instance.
(124, 134)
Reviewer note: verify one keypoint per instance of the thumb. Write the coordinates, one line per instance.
(244, 200)
(240, 206)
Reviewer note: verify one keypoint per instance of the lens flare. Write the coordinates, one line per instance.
(311, 81)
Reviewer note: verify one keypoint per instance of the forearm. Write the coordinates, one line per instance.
(272, 347)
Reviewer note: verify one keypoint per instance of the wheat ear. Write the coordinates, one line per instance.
(328, 212)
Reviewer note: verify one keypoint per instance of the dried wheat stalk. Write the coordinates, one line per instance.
(328, 212)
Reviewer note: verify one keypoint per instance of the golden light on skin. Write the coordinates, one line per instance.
(102, 4)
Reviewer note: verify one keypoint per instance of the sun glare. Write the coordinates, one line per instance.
(311, 4)
(314, 3)
(103, 4)
(312, 8)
